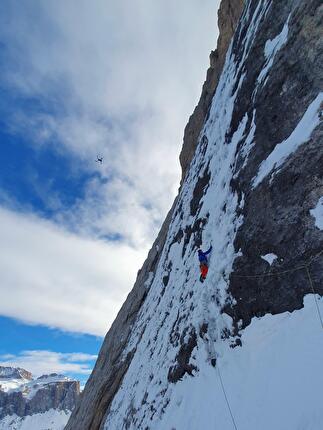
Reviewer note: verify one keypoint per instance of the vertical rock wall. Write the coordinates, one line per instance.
(228, 16)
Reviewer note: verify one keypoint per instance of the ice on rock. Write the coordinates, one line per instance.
(301, 134)
(317, 213)
(270, 258)
(271, 49)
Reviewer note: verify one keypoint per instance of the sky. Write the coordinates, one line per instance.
(78, 80)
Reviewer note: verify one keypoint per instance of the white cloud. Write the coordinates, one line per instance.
(42, 362)
(122, 79)
(52, 277)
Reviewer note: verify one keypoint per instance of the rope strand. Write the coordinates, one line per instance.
(262, 275)
(265, 274)
(226, 399)
(315, 298)
(305, 267)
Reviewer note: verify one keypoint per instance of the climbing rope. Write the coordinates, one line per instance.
(315, 298)
(261, 275)
(226, 398)
(303, 267)
(315, 257)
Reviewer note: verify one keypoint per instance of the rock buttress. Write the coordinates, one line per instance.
(228, 17)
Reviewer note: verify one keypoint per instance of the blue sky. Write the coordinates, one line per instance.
(80, 79)
(34, 178)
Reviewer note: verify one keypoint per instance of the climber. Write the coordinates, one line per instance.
(203, 263)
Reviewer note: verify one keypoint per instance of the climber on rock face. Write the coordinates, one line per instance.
(203, 263)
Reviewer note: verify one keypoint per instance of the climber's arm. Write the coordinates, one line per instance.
(208, 251)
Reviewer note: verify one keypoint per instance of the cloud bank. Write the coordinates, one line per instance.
(52, 277)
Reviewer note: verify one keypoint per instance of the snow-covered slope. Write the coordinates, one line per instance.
(244, 349)
(50, 420)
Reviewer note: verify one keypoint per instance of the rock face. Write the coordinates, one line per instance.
(228, 16)
(254, 178)
(22, 395)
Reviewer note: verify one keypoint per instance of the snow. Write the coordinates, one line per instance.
(271, 49)
(270, 258)
(317, 213)
(149, 279)
(274, 381)
(9, 372)
(300, 135)
(12, 384)
(249, 141)
(260, 12)
(50, 420)
(30, 387)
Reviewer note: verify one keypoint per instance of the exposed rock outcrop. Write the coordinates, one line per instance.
(228, 16)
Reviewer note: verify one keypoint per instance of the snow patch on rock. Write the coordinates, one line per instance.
(271, 49)
(300, 135)
(270, 258)
(249, 141)
(317, 213)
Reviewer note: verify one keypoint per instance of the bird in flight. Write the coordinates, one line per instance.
(99, 159)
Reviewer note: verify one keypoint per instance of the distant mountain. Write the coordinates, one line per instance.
(14, 373)
(35, 404)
